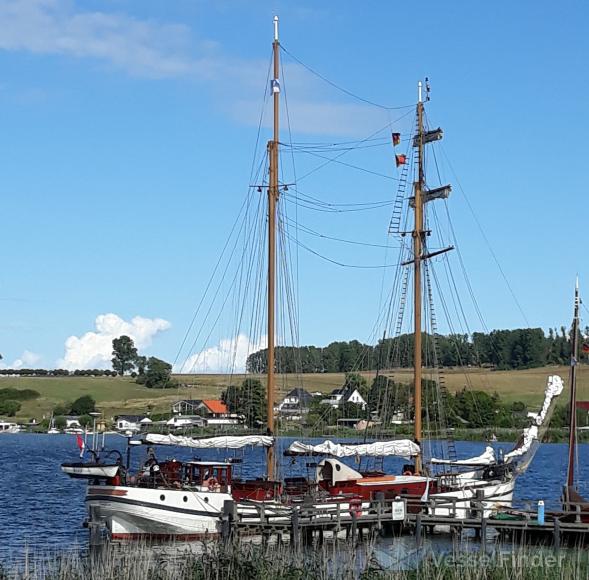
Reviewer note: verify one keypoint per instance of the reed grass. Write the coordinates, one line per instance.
(280, 562)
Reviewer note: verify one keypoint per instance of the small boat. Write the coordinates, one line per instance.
(53, 431)
(9, 428)
(90, 470)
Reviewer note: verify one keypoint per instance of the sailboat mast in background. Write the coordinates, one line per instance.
(573, 386)
(272, 200)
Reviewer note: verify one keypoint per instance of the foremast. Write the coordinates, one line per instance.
(573, 395)
(273, 193)
(417, 256)
(421, 195)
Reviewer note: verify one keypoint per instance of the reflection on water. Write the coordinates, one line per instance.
(42, 508)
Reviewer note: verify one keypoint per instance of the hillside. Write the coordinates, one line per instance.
(118, 395)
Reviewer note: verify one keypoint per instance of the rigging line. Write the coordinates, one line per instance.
(308, 230)
(489, 247)
(317, 207)
(335, 261)
(350, 165)
(331, 204)
(336, 143)
(385, 128)
(334, 149)
(342, 89)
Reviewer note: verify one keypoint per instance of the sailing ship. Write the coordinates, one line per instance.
(185, 500)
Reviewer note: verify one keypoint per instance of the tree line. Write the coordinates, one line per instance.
(521, 348)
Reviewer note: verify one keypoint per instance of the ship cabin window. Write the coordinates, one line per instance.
(214, 476)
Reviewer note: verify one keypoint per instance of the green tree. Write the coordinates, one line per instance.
(248, 399)
(9, 408)
(124, 354)
(140, 363)
(86, 421)
(83, 405)
(60, 422)
(157, 374)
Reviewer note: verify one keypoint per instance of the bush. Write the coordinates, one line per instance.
(9, 408)
(83, 406)
(18, 394)
(60, 422)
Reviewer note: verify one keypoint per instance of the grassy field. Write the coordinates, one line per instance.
(118, 395)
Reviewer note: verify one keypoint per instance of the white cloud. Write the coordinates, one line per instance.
(152, 49)
(228, 356)
(94, 349)
(26, 360)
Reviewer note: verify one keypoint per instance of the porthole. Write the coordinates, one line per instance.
(338, 467)
(162, 497)
(185, 498)
(206, 500)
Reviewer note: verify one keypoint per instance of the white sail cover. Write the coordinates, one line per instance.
(531, 435)
(487, 458)
(211, 442)
(401, 448)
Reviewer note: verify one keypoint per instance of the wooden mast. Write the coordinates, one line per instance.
(573, 399)
(272, 200)
(417, 251)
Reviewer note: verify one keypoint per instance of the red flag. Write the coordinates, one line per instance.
(585, 347)
(81, 445)
(396, 138)
(400, 159)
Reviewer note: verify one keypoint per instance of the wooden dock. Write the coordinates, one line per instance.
(305, 522)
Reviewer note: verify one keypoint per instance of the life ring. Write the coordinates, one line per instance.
(355, 507)
(407, 472)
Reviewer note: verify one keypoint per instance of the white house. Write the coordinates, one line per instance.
(131, 422)
(186, 422)
(340, 396)
(295, 403)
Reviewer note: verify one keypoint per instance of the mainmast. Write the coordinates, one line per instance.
(573, 383)
(272, 200)
(417, 250)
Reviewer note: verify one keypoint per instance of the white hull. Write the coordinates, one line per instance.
(134, 512)
(460, 503)
(86, 470)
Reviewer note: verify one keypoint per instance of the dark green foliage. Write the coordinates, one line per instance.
(86, 421)
(9, 408)
(247, 399)
(83, 406)
(157, 374)
(62, 409)
(521, 348)
(124, 354)
(18, 394)
(60, 422)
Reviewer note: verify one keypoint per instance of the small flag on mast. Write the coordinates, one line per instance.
(275, 86)
(400, 159)
(396, 138)
(81, 445)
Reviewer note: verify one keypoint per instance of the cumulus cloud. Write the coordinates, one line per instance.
(94, 349)
(229, 355)
(26, 360)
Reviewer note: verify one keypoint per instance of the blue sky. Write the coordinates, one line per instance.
(128, 131)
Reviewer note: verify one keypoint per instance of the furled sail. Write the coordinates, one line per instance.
(400, 448)
(211, 442)
(487, 458)
(526, 447)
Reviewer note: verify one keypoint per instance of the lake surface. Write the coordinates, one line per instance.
(42, 508)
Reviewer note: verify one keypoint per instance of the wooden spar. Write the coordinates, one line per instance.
(272, 200)
(417, 249)
(573, 396)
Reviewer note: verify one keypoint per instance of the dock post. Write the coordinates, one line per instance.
(354, 528)
(96, 541)
(483, 532)
(418, 530)
(556, 539)
(227, 520)
(295, 529)
(379, 497)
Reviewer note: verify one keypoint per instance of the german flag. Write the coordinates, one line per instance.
(400, 159)
(585, 347)
(396, 138)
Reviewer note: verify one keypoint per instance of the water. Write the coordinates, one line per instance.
(42, 508)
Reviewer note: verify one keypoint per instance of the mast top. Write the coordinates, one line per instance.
(276, 29)
(419, 85)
